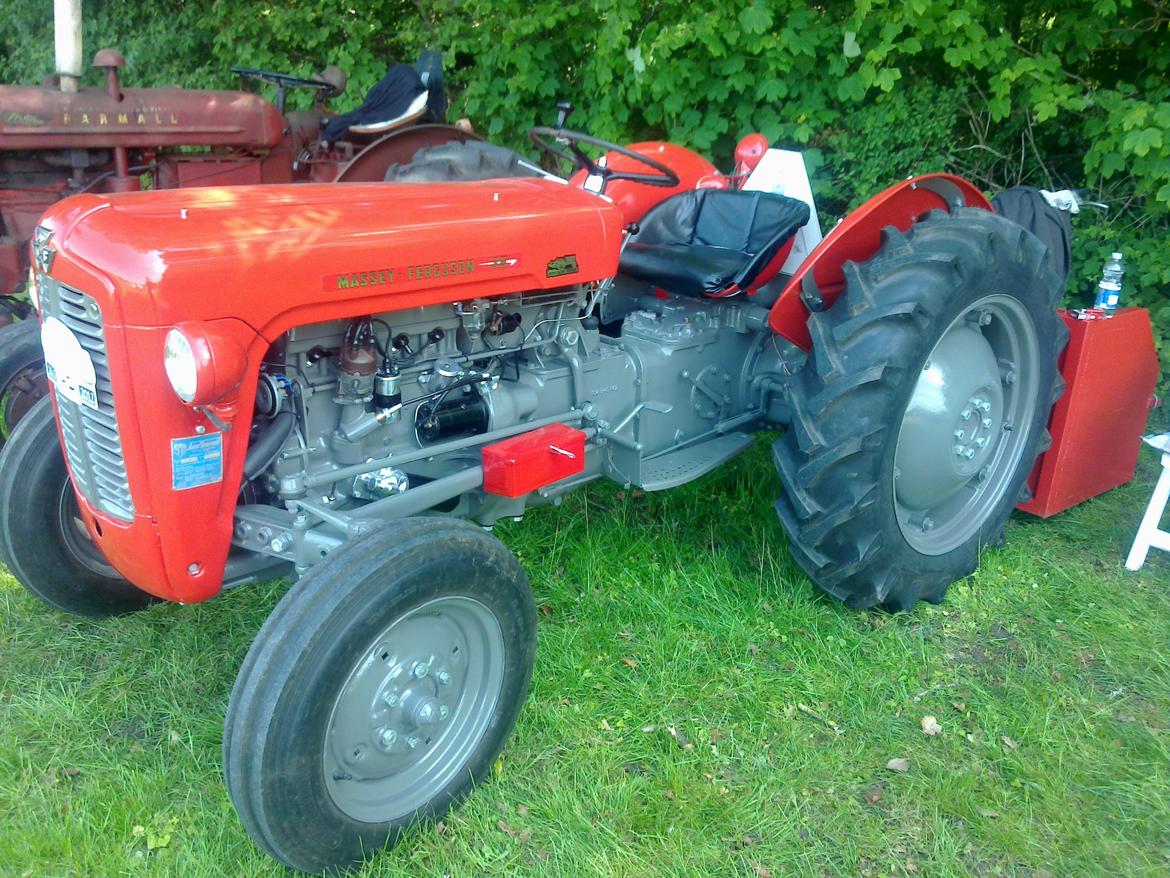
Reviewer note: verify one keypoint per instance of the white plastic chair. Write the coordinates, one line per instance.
(1148, 535)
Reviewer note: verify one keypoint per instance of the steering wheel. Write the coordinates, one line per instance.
(551, 139)
(284, 80)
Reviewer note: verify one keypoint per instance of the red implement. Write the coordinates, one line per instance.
(1110, 369)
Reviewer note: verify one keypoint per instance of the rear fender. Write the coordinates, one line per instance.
(820, 278)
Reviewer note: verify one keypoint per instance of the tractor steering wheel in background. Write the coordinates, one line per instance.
(551, 140)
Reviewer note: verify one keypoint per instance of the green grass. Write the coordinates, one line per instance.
(791, 706)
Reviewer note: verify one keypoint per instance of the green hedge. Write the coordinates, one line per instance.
(1075, 94)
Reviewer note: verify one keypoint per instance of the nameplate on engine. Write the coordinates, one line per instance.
(443, 271)
(196, 461)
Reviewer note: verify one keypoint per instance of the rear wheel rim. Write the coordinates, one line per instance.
(413, 709)
(963, 434)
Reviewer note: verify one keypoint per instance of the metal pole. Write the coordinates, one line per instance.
(67, 35)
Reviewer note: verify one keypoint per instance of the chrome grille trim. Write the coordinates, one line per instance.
(93, 443)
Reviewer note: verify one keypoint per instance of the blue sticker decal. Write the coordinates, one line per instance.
(196, 461)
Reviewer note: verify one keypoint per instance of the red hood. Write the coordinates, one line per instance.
(279, 256)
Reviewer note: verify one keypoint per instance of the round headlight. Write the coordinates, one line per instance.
(182, 369)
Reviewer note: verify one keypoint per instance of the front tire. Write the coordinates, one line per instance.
(921, 409)
(380, 690)
(43, 540)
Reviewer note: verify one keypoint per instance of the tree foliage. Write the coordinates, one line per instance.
(1075, 94)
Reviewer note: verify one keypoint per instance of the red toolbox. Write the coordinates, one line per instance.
(1110, 370)
(522, 464)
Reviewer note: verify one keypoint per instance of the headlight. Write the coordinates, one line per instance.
(204, 362)
(182, 370)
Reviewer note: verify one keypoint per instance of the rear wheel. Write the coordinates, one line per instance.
(921, 409)
(43, 541)
(22, 373)
(379, 691)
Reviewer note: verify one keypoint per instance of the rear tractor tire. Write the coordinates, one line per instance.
(43, 540)
(921, 409)
(380, 690)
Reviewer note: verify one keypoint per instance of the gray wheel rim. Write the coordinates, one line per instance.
(965, 429)
(413, 709)
(76, 538)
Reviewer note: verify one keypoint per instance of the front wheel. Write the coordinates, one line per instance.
(379, 691)
(43, 541)
(921, 409)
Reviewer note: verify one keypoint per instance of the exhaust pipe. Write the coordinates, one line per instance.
(67, 35)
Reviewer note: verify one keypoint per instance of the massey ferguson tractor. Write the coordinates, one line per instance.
(56, 143)
(346, 386)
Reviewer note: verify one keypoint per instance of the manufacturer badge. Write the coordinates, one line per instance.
(562, 265)
(41, 250)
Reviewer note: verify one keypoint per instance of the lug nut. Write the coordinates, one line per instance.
(444, 711)
(444, 677)
(386, 737)
(390, 699)
(981, 441)
(412, 741)
(968, 453)
(927, 524)
(421, 669)
(960, 435)
(986, 423)
(965, 414)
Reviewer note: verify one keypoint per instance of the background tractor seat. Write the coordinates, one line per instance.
(706, 241)
(405, 94)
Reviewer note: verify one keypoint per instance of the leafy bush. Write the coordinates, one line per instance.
(1028, 92)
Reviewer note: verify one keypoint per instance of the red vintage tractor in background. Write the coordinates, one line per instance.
(56, 143)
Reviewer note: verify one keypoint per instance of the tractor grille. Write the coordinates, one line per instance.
(92, 442)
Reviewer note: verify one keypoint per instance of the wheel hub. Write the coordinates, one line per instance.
(957, 445)
(416, 702)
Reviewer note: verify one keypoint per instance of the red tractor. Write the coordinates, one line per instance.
(280, 381)
(56, 143)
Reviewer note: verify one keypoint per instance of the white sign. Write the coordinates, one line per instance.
(782, 171)
(68, 364)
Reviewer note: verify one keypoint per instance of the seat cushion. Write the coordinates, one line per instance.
(387, 100)
(686, 270)
(705, 241)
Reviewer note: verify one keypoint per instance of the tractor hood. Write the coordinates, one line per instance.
(275, 257)
(44, 118)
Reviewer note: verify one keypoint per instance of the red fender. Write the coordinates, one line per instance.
(820, 278)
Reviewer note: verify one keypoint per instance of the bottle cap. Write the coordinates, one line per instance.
(1116, 255)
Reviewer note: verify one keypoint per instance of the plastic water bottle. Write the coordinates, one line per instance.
(1109, 289)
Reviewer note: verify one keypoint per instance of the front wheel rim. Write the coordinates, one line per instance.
(415, 706)
(75, 536)
(963, 433)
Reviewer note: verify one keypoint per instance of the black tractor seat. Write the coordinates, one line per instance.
(708, 241)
